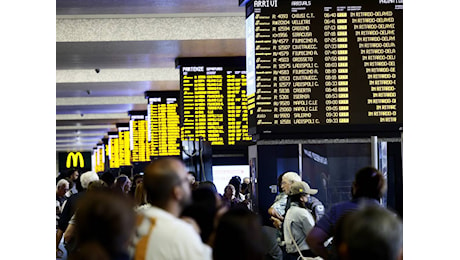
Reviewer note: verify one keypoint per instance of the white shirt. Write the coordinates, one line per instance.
(170, 238)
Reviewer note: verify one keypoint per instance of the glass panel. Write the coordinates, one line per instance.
(331, 168)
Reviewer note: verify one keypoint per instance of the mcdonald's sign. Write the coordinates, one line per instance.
(75, 160)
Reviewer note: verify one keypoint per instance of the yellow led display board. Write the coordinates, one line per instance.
(214, 101)
(114, 154)
(164, 131)
(139, 145)
(100, 158)
(123, 142)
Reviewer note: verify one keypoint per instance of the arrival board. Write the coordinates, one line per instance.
(324, 66)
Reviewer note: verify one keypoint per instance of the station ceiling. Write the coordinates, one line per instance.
(133, 44)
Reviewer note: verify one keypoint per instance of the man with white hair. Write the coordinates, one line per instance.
(61, 188)
(279, 208)
(69, 206)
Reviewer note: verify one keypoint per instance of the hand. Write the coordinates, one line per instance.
(275, 214)
(278, 216)
(276, 222)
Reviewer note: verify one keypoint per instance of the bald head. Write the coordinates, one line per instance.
(161, 178)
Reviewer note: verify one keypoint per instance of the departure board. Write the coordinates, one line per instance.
(100, 158)
(324, 66)
(138, 130)
(123, 142)
(213, 100)
(114, 154)
(164, 123)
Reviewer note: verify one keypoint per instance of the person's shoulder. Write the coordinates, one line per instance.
(280, 196)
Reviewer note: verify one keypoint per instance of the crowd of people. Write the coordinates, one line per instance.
(167, 214)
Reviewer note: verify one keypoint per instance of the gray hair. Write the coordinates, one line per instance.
(88, 177)
(292, 177)
(62, 182)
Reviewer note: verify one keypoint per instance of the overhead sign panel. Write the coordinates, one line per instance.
(138, 129)
(213, 100)
(164, 123)
(114, 154)
(123, 142)
(324, 66)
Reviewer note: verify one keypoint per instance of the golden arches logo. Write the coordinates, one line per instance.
(75, 158)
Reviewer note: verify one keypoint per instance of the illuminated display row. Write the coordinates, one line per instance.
(149, 133)
(316, 65)
(214, 107)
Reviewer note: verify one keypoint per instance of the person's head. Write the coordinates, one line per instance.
(300, 191)
(236, 182)
(229, 191)
(107, 219)
(371, 232)
(211, 186)
(108, 178)
(288, 179)
(140, 197)
(69, 175)
(208, 184)
(74, 175)
(244, 188)
(167, 184)
(246, 180)
(370, 183)
(238, 236)
(192, 176)
(203, 210)
(280, 179)
(98, 185)
(62, 187)
(88, 177)
(123, 183)
(137, 179)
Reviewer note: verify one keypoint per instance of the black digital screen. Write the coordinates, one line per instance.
(213, 100)
(324, 66)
